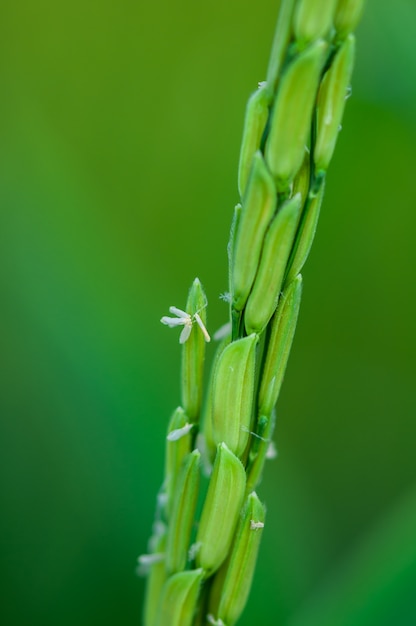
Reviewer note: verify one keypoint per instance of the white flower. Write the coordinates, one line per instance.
(193, 550)
(216, 622)
(256, 525)
(178, 433)
(150, 559)
(146, 562)
(271, 451)
(186, 320)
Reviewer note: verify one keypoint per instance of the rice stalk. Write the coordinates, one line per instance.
(202, 563)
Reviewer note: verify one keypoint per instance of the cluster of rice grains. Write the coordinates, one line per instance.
(205, 541)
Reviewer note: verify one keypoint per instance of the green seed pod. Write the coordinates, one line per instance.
(313, 19)
(282, 331)
(183, 512)
(302, 180)
(347, 16)
(193, 354)
(155, 581)
(292, 114)
(210, 443)
(178, 446)
(232, 394)
(236, 575)
(279, 240)
(257, 112)
(258, 208)
(280, 42)
(305, 235)
(179, 599)
(264, 450)
(221, 509)
(331, 103)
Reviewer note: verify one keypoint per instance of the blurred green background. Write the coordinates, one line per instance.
(119, 133)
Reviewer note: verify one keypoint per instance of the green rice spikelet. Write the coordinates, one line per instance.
(292, 114)
(221, 510)
(278, 243)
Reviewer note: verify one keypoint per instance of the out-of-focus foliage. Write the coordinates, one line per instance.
(119, 134)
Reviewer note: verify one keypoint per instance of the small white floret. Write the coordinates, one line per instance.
(150, 559)
(182, 319)
(193, 550)
(271, 451)
(162, 498)
(186, 320)
(159, 528)
(215, 622)
(256, 525)
(146, 561)
(178, 433)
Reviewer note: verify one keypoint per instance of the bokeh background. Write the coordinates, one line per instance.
(119, 134)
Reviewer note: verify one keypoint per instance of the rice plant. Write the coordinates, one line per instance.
(202, 557)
